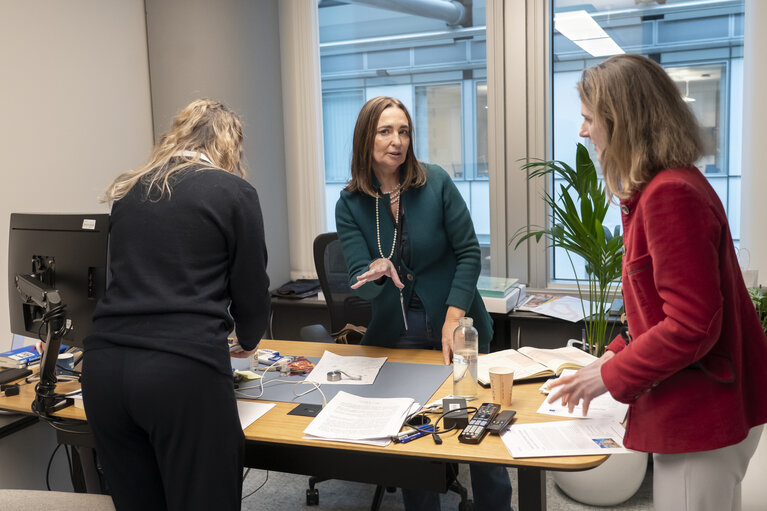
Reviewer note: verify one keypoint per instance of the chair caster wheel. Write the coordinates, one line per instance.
(312, 497)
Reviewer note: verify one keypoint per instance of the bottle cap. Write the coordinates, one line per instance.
(465, 321)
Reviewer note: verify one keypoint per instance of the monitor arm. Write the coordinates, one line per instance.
(34, 291)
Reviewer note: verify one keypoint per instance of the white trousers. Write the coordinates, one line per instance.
(705, 480)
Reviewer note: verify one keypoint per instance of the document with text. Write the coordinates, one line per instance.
(565, 438)
(359, 419)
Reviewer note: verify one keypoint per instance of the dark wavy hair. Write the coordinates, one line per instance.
(412, 172)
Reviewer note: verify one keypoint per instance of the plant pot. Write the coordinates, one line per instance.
(614, 481)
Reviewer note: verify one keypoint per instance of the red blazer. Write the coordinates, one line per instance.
(695, 370)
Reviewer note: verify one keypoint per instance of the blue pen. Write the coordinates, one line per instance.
(418, 434)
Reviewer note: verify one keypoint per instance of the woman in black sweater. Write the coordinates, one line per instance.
(187, 263)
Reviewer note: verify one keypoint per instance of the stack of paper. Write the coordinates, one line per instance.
(350, 418)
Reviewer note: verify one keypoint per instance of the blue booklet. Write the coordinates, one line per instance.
(22, 357)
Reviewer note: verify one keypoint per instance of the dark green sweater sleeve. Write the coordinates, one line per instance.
(463, 240)
(355, 248)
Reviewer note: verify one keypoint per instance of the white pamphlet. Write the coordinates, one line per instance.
(565, 438)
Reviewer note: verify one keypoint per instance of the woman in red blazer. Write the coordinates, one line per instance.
(694, 369)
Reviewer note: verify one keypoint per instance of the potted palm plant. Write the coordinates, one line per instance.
(759, 299)
(576, 224)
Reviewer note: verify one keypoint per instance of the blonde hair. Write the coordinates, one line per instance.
(414, 174)
(648, 125)
(204, 127)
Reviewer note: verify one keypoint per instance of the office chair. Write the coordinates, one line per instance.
(346, 307)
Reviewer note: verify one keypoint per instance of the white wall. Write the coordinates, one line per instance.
(74, 112)
(74, 108)
(228, 50)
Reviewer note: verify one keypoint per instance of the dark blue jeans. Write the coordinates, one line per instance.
(489, 483)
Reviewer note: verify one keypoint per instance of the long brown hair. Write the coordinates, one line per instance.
(204, 127)
(648, 125)
(412, 172)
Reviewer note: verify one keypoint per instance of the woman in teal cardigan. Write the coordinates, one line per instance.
(435, 270)
(411, 250)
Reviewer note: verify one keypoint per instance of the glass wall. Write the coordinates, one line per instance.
(435, 67)
(700, 44)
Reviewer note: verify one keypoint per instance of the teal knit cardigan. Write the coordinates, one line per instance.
(444, 256)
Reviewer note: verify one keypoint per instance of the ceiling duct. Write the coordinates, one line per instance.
(451, 12)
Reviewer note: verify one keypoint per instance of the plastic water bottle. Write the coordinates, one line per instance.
(465, 345)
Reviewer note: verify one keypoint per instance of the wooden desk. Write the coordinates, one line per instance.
(276, 442)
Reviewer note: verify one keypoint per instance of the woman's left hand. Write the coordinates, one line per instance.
(451, 323)
(586, 384)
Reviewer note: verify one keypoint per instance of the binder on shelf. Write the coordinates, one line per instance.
(502, 305)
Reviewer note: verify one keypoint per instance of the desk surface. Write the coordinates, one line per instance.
(276, 427)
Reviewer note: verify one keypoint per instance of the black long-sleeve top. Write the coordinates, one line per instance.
(185, 269)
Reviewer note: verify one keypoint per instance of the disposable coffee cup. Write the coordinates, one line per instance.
(65, 365)
(501, 384)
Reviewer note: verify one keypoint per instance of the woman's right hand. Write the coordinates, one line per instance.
(378, 269)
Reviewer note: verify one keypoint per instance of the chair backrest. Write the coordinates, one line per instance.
(344, 305)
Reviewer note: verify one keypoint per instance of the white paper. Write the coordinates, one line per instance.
(565, 438)
(251, 411)
(349, 417)
(568, 308)
(601, 407)
(365, 367)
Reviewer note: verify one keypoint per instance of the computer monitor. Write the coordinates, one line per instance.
(57, 267)
(69, 254)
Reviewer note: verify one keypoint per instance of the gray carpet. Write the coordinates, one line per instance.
(283, 492)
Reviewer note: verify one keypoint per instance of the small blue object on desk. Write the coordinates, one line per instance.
(407, 436)
(22, 357)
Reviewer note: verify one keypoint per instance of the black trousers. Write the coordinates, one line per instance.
(167, 430)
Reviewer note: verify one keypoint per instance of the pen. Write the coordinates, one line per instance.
(412, 436)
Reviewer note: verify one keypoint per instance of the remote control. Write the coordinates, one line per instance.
(500, 422)
(477, 428)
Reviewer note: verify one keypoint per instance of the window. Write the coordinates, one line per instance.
(437, 70)
(700, 44)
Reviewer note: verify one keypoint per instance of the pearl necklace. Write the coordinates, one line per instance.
(394, 197)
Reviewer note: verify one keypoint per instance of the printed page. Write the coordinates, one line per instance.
(568, 308)
(355, 370)
(523, 366)
(565, 438)
(350, 417)
(568, 357)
